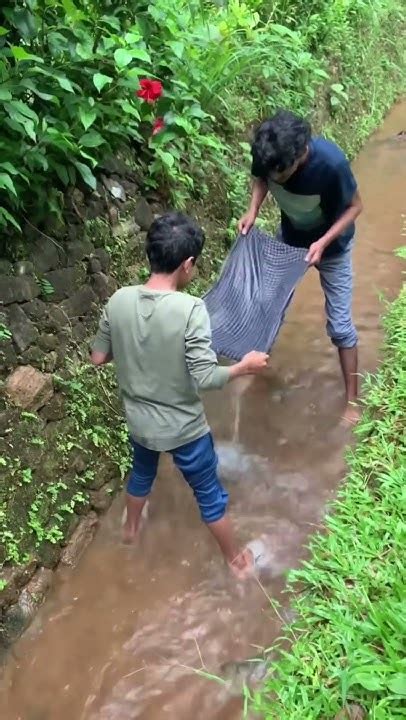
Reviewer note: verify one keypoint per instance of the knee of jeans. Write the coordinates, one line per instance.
(345, 340)
(212, 504)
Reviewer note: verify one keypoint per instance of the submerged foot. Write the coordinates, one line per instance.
(129, 534)
(352, 414)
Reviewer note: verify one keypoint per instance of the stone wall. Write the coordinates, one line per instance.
(62, 444)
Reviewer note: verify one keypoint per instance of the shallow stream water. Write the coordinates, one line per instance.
(120, 635)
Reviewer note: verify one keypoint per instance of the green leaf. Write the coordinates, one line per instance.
(86, 174)
(25, 22)
(8, 167)
(177, 47)
(87, 116)
(91, 139)
(64, 83)
(3, 31)
(20, 54)
(140, 54)
(129, 109)
(6, 183)
(5, 215)
(20, 107)
(167, 158)
(101, 80)
(5, 95)
(30, 85)
(122, 57)
(397, 684)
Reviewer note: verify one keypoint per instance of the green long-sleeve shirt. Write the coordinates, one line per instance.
(161, 346)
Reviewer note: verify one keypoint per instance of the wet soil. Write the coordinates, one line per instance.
(121, 635)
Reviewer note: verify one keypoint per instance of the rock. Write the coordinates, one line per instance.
(79, 460)
(104, 258)
(45, 255)
(94, 265)
(50, 362)
(24, 267)
(29, 388)
(94, 208)
(48, 554)
(8, 418)
(101, 500)
(77, 250)
(33, 356)
(18, 289)
(6, 267)
(35, 309)
(19, 616)
(64, 282)
(351, 712)
(8, 355)
(115, 189)
(143, 214)
(23, 330)
(16, 578)
(80, 304)
(244, 673)
(79, 332)
(100, 284)
(54, 409)
(113, 165)
(126, 229)
(47, 342)
(56, 318)
(81, 537)
(55, 226)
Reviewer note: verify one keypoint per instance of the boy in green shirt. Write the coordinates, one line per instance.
(160, 341)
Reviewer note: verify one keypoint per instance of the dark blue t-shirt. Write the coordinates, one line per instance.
(315, 196)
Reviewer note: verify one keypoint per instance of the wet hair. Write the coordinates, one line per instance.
(279, 142)
(172, 239)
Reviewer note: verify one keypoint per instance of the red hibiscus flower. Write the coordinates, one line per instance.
(158, 126)
(150, 90)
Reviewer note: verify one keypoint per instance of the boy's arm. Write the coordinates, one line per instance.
(340, 192)
(101, 349)
(202, 361)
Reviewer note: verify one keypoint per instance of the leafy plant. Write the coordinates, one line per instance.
(5, 333)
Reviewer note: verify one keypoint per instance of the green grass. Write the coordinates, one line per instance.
(348, 644)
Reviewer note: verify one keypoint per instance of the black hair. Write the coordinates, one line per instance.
(279, 142)
(172, 239)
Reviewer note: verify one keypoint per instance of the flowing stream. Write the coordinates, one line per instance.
(120, 636)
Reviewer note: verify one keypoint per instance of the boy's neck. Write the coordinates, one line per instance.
(160, 281)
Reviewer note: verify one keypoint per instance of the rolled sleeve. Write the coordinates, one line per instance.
(200, 358)
(102, 341)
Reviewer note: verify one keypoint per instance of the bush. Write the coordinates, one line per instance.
(70, 71)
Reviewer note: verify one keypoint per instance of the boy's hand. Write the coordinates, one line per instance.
(246, 222)
(255, 361)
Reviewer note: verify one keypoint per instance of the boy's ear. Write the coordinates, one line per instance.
(189, 264)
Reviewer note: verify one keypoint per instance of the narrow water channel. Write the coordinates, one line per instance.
(119, 636)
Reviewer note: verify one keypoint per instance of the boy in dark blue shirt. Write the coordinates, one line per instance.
(312, 182)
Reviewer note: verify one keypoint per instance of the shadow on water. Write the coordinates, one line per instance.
(121, 635)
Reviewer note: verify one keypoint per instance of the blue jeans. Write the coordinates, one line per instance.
(336, 281)
(197, 461)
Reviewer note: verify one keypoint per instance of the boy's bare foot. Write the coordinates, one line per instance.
(129, 535)
(352, 414)
(243, 565)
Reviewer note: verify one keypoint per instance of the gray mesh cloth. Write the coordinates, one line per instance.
(247, 304)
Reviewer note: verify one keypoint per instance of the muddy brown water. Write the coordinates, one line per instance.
(120, 635)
